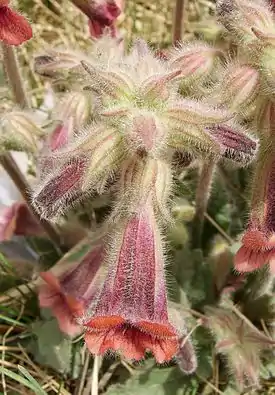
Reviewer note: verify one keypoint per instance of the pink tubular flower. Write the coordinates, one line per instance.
(131, 313)
(18, 220)
(14, 28)
(68, 294)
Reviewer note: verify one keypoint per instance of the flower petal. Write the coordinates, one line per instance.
(14, 28)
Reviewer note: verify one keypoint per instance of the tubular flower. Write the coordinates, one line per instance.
(258, 242)
(131, 313)
(68, 291)
(14, 28)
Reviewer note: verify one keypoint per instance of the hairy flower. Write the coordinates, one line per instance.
(18, 220)
(239, 342)
(258, 242)
(139, 113)
(14, 28)
(68, 290)
(131, 313)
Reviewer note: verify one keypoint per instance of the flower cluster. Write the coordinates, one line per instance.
(140, 122)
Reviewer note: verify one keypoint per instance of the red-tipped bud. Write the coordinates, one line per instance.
(61, 189)
(235, 144)
(14, 28)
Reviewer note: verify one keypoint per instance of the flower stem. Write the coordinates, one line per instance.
(14, 77)
(202, 194)
(177, 24)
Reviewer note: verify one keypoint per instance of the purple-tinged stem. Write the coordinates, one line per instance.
(177, 24)
(15, 80)
(202, 195)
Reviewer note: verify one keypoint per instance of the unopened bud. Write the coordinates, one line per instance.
(147, 132)
(19, 132)
(267, 60)
(241, 16)
(182, 210)
(239, 86)
(143, 179)
(106, 157)
(76, 105)
(195, 61)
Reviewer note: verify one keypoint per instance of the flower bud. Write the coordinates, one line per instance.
(239, 86)
(143, 179)
(75, 105)
(195, 61)
(240, 16)
(196, 113)
(235, 144)
(146, 133)
(239, 342)
(266, 64)
(19, 132)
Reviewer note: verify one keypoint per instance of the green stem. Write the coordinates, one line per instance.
(202, 195)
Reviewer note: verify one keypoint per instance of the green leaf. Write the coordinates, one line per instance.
(157, 381)
(29, 377)
(50, 346)
(19, 379)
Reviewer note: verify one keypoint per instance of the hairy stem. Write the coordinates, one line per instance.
(177, 24)
(15, 80)
(202, 194)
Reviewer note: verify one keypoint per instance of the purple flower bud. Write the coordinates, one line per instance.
(235, 144)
